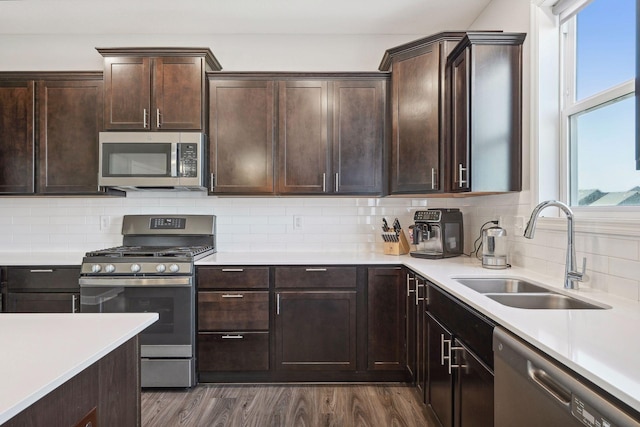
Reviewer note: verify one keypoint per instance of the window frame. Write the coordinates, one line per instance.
(569, 107)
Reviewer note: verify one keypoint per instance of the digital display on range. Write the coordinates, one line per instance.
(168, 223)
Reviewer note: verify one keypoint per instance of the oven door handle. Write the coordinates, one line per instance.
(167, 282)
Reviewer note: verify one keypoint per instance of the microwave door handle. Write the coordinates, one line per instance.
(175, 148)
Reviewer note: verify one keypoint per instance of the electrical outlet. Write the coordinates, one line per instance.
(297, 222)
(105, 222)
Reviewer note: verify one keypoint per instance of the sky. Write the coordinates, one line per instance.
(606, 44)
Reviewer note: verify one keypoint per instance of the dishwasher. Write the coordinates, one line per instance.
(530, 389)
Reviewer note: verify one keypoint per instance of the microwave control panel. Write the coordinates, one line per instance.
(188, 160)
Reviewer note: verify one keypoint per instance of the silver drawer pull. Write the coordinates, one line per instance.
(41, 271)
(232, 270)
(232, 337)
(316, 269)
(232, 296)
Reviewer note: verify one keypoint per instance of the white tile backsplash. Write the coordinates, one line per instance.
(335, 224)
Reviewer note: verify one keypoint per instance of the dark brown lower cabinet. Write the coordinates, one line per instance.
(440, 379)
(315, 330)
(42, 289)
(107, 391)
(459, 362)
(386, 319)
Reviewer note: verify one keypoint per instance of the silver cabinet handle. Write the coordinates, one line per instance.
(232, 337)
(158, 115)
(315, 269)
(232, 296)
(337, 182)
(450, 357)
(418, 286)
(212, 182)
(442, 343)
(277, 303)
(74, 298)
(461, 181)
(324, 182)
(47, 270)
(409, 279)
(434, 184)
(232, 270)
(145, 123)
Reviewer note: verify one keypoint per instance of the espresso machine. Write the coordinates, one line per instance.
(437, 233)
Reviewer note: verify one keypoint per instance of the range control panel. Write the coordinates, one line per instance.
(168, 223)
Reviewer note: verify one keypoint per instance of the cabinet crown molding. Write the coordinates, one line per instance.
(416, 46)
(210, 59)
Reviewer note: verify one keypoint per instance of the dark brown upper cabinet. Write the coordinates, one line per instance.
(417, 101)
(331, 135)
(484, 75)
(156, 88)
(60, 154)
(17, 138)
(242, 136)
(70, 118)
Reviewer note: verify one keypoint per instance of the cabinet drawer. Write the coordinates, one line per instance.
(233, 351)
(42, 302)
(233, 277)
(45, 278)
(230, 311)
(315, 277)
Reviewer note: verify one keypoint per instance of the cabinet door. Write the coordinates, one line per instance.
(127, 83)
(70, 117)
(415, 148)
(386, 300)
(303, 137)
(440, 378)
(473, 403)
(422, 362)
(358, 136)
(178, 93)
(411, 310)
(460, 172)
(242, 137)
(42, 302)
(16, 137)
(316, 330)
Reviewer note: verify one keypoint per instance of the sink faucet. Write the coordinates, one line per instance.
(571, 276)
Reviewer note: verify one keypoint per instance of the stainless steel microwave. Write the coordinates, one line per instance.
(152, 160)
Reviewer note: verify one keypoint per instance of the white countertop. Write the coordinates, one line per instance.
(42, 351)
(601, 345)
(40, 258)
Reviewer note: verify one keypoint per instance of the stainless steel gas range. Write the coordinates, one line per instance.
(153, 271)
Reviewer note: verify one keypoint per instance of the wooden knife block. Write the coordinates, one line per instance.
(401, 247)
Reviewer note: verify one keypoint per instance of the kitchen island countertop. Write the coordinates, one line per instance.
(601, 345)
(42, 351)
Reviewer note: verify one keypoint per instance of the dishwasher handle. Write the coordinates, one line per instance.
(547, 383)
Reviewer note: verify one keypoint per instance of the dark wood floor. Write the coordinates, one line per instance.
(285, 406)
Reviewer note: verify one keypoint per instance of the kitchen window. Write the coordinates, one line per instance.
(598, 54)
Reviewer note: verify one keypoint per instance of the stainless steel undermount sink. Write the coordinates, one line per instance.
(520, 293)
(492, 285)
(542, 301)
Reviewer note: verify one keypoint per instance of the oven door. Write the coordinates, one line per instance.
(173, 298)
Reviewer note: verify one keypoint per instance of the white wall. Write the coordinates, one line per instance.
(237, 52)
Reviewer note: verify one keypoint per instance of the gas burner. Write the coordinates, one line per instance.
(151, 251)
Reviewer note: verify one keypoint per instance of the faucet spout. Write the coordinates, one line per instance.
(571, 275)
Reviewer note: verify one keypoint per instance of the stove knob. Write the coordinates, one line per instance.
(135, 268)
(160, 268)
(110, 268)
(96, 268)
(174, 268)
